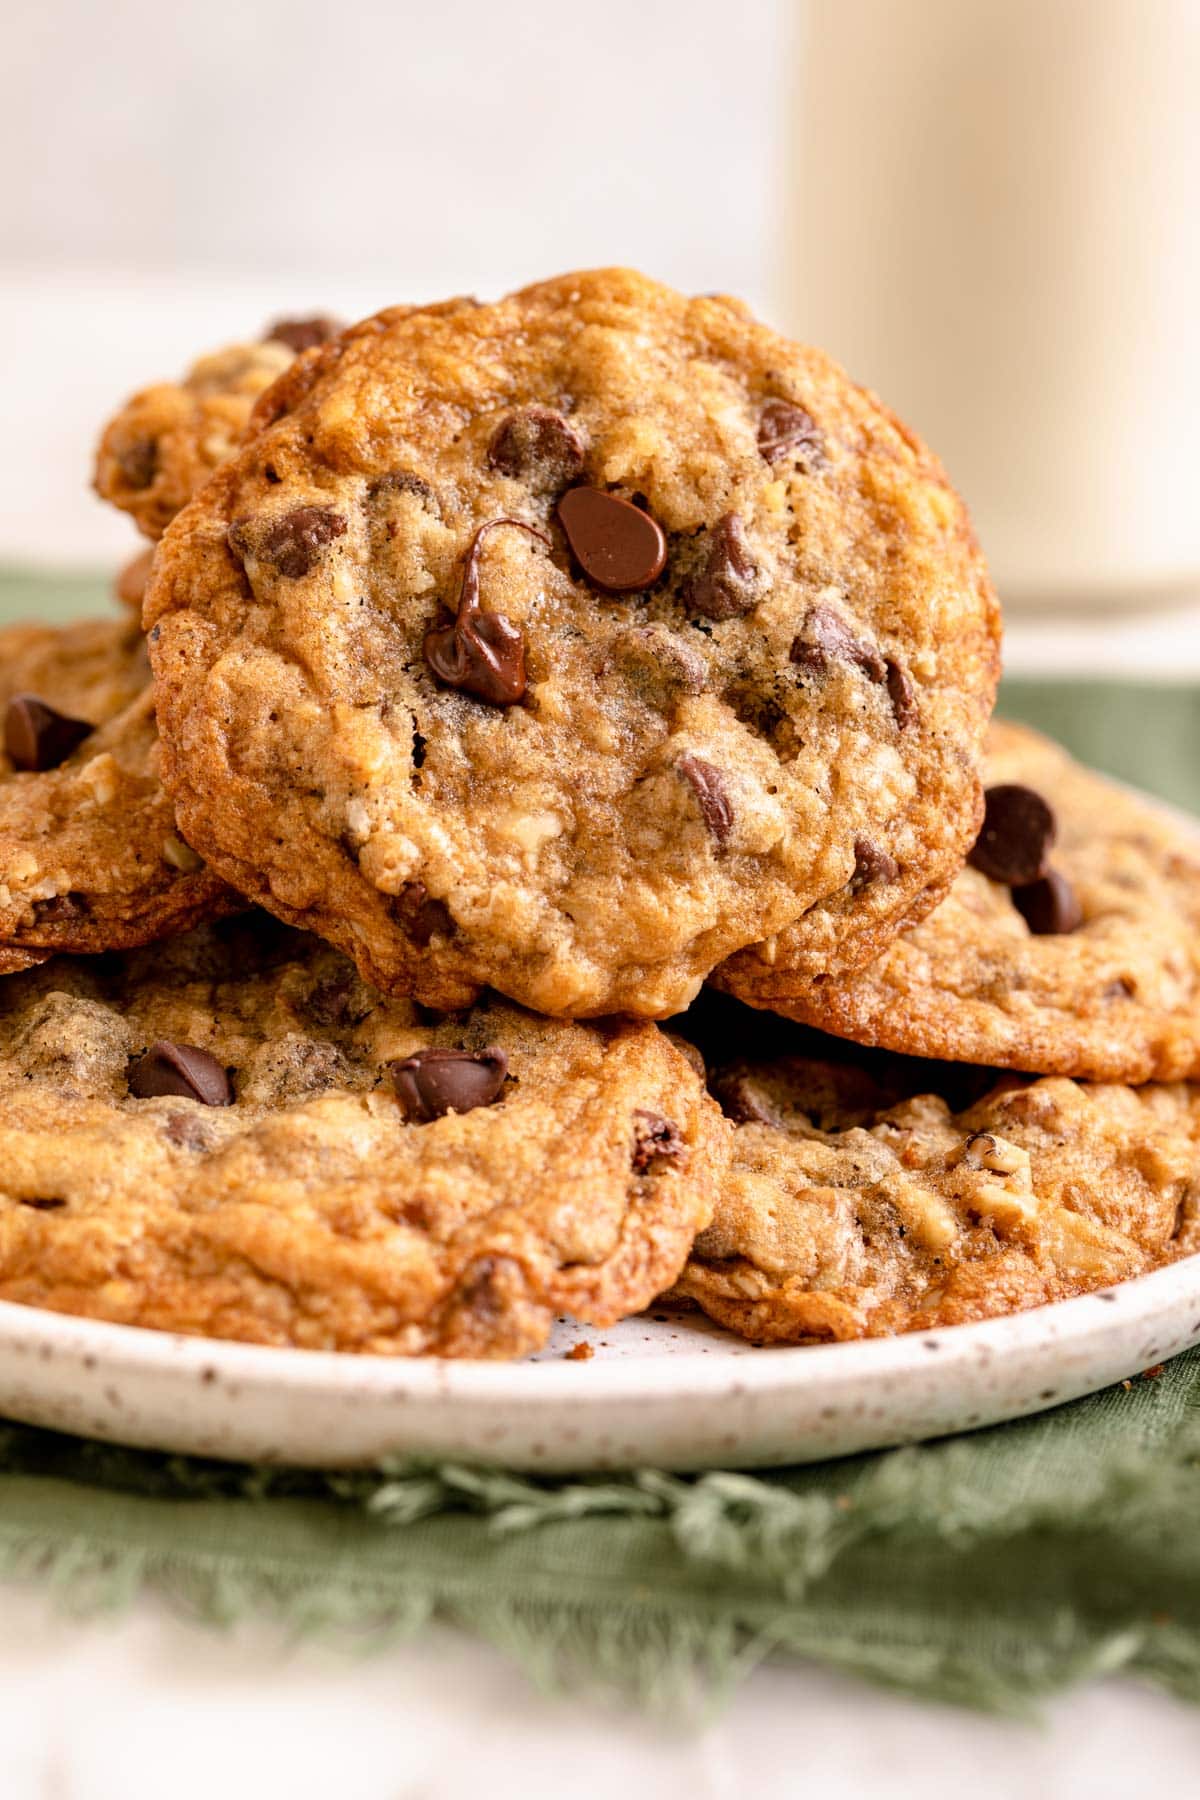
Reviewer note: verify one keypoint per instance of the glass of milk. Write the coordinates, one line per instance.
(994, 219)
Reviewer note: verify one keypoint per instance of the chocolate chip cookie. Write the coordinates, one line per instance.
(166, 441)
(231, 1135)
(90, 855)
(877, 1196)
(1070, 945)
(568, 643)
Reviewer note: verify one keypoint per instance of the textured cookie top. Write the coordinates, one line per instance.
(90, 855)
(232, 1135)
(166, 441)
(864, 1201)
(568, 643)
(1089, 965)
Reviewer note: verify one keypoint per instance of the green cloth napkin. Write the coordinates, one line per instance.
(990, 1569)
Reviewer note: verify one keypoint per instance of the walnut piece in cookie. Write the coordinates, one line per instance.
(871, 1195)
(242, 1140)
(91, 857)
(1070, 945)
(366, 685)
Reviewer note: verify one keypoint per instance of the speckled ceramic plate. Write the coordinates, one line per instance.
(668, 1390)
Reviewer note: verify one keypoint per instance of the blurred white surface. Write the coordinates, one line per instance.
(147, 1707)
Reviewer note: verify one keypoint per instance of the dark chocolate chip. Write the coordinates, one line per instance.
(539, 447)
(1049, 906)
(183, 1071)
(292, 543)
(655, 1139)
(708, 785)
(138, 462)
(1015, 840)
(435, 1082)
(303, 334)
(826, 639)
(481, 652)
(62, 909)
(902, 694)
(421, 916)
(37, 736)
(871, 864)
(47, 1205)
(619, 547)
(727, 585)
(741, 1100)
(785, 428)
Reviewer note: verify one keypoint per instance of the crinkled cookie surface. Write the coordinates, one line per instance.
(567, 644)
(231, 1135)
(1097, 978)
(90, 855)
(861, 1203)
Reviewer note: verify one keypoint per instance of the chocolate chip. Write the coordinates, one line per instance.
(708, 785)
(303, 334)
(421, 916)
(784, 427)
(1050, 907)
(742, 1101)
(44, 1205)
(727, 586)
(1016, 837)
(483, 653)
(37, 736)
(292, 543)
(826, 639)
(902, 694)
(403, 481)
(871, 864)
(539, 447)
(138, 462)
(655, 1139)
(435, 1082)
(181, 1070)
(619, 547)
(61, 909)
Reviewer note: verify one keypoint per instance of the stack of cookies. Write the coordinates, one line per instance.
(509, 673)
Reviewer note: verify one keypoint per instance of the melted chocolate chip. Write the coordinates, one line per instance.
(827, 639)
(785, 428)
(421, 916)
(539, 447)
(62, 909)
(727, 586)
(902, 694)
(1050, 906)
(303, 334)
(435, 1082)
(138, 462)
(871, 864)
(620, 548)
(183, 1071)
(480, 652)
(708, 785)
(37, 736)
(1014, 842)
(292, 543)
(655, 1139)
(403, 481)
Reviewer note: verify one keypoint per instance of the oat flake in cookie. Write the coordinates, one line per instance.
(878, 1195)
(569, 643)
(90, 854)
(1070, 945)
(232, 1135)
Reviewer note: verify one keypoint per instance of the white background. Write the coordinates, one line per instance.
(174, 175)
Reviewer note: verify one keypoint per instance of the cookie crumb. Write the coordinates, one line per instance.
(580, 1352)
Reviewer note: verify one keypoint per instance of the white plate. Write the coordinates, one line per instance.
(668, 1391)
